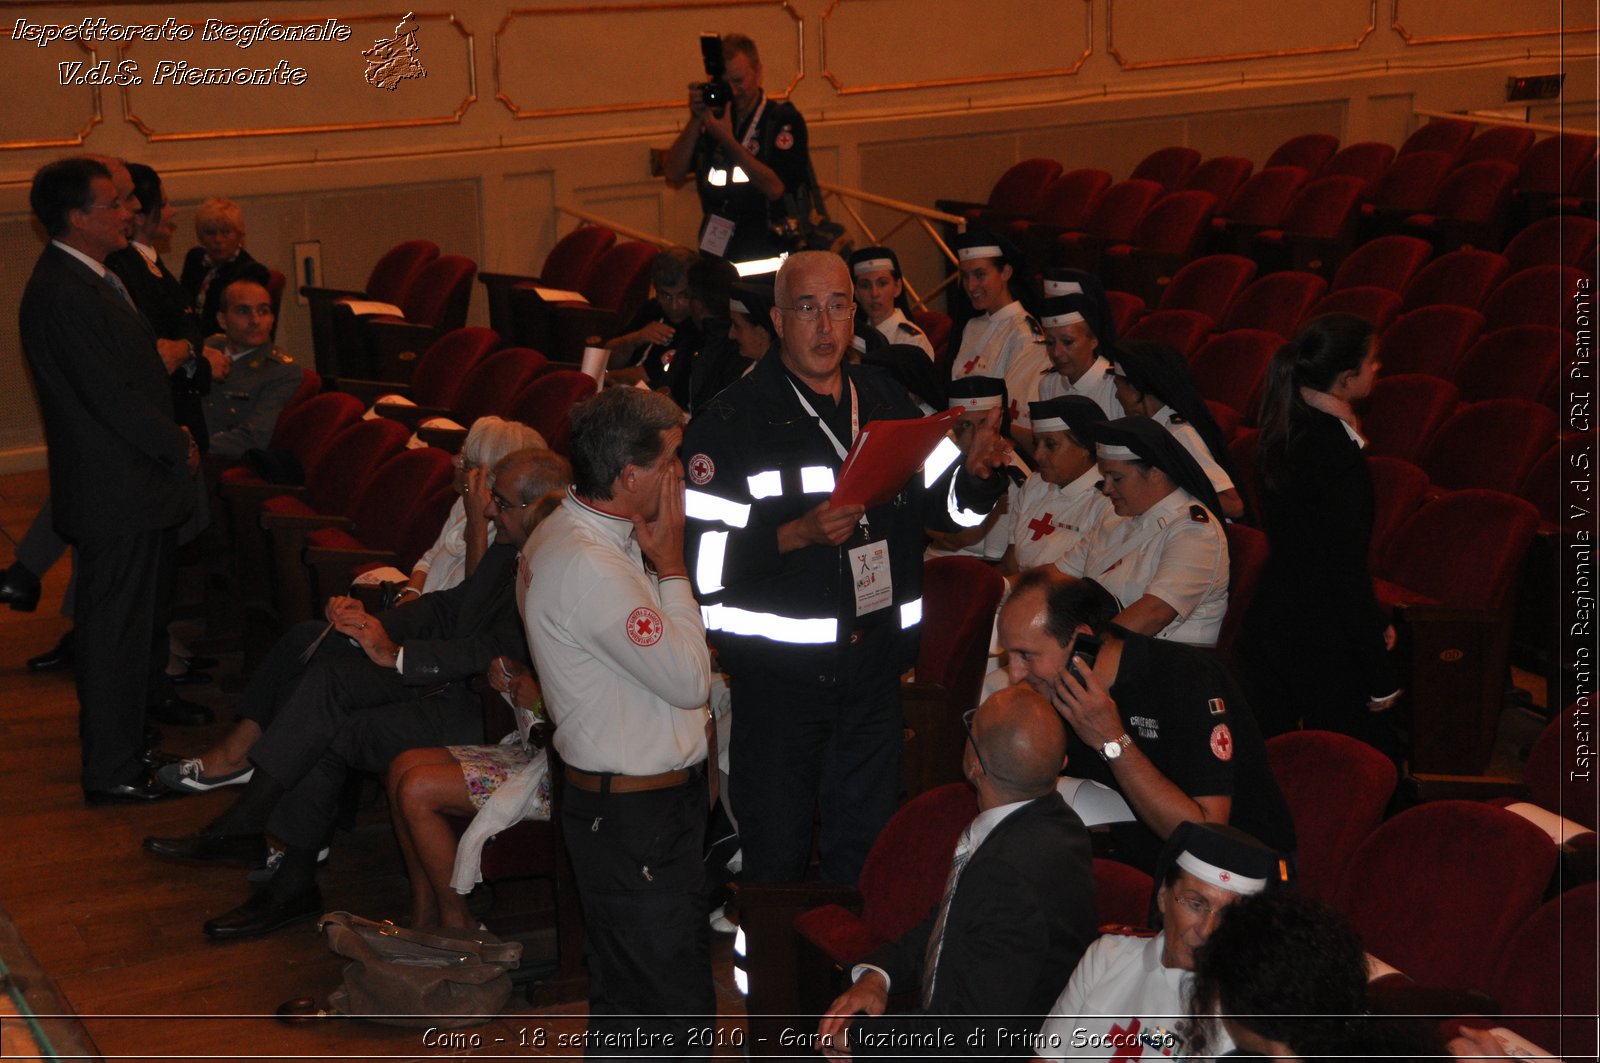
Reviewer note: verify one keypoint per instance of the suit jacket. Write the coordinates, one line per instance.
(117, 459)
(164, 303)
(453, 634)
(1022, 915)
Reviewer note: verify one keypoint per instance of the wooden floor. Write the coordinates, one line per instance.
(119, 932)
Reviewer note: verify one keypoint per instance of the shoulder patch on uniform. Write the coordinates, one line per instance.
(1177, 418)
(645, 627)
(1198, 514)
(281, 355)
(1222, 742)
(785, 139)
(1216, 706)
(906, 326)
(1128, 930)
(701, 469)
(1038, 333)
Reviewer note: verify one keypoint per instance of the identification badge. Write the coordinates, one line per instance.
(718, 231)
(869, 567)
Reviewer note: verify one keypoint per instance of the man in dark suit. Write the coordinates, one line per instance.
(381, 684)
(1017, 914)
(121, 472)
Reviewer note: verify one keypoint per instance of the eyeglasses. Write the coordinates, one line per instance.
(838, 310)
(966, 721)
(115, 204)
(502, 505)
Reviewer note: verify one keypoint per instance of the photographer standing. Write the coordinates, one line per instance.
(748, 156)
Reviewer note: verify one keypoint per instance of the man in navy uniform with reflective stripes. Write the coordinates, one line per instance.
(815, 609)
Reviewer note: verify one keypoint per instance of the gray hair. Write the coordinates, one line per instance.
(218, 212)
(532, 472)
(492, 438)
(614, 429)
(780, 287)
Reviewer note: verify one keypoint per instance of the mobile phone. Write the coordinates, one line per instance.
(1087, 647)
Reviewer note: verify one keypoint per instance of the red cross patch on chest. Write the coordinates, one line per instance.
(1042, 526)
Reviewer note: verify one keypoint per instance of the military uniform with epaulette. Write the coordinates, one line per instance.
(242, 411)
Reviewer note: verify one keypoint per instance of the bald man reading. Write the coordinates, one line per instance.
(1017, 913)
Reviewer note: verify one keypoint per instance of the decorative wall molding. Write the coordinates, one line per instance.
(1453, 11)
(94, 114)
(929, 26)
(1206, 29)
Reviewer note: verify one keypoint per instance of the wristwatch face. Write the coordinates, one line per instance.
(1112, 750)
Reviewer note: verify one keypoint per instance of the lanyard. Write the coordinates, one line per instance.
(752, 132)
(855, 417)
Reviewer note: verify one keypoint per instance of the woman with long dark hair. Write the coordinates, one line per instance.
(1315, 644)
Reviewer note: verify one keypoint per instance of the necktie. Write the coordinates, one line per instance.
(930, 965)
(121, 289)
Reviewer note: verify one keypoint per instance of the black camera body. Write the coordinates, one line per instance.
(715, 90)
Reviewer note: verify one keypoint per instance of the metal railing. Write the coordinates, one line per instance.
(1487, 119)
(925, 217)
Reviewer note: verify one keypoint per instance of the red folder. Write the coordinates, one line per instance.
(886, 454)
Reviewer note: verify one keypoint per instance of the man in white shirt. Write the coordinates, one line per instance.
(620, 650)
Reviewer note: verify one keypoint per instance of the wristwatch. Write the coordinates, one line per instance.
(1113, 749)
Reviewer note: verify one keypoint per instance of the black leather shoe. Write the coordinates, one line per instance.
(152, 736)
(19, 589)
(225, 850)
(263, 913)
(54, 659)
(144, 788)
(156, 759)
(181, 713)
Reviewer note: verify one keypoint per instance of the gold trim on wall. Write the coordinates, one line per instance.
(517, 111)
(1456, 38)
(976, 79)
(1237, 57)
(96, 113)
(324, 127)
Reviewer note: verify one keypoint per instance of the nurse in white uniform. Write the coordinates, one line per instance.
(1080, 331)
(1167, 564)
(881, 295)
(1061, 501)
(1004, 340)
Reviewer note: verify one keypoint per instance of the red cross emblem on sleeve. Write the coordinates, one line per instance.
(1042, 526)
(644, 626)
(966, 369)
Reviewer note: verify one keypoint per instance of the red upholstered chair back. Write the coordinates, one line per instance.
(1507, 144)
(1429, 339)
(422, 526)
(1387, 262)
(1475, 192)
(1552, 163)
(1368, 160)
(621, 278)
(1275, 303)
(1221, 176)
(1403, 411)
(306, 430)
(1464, 278)
(1562, 240)
(1380, 306)
(1488, 533)
(1323, 207)
(572, 259)
(1020, 189)
(310, 386)
(1209, 285)
(1116, 213)
(496, 382)
(396, 269)
(1309, 151)
(1398, 488)
(1175, 223)
(1067, 199)
(1542, 486)
(1121, 893)
(904, 874)
(335, 483)
(1547, 969)
(1411, 180)
(1336, 788)
(545, 405)
(1490, 444)
(1265, 195)
(1232, 365)
(445, 365)
(1247, 556)
(276, 282)
(1439, 889)
(438, 297)
(959, 599)
(1550, 784)
(388, 501)
(936, 325)
(1242, 449)
(1183, 330)
(1520, 362)
(1168, 167)
(1543, 295)
(1449, 135)
(1125, 306)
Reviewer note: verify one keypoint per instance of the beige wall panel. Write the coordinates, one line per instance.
(1437, 21)
(30, 72)
(1151, 33)
(527, 221)
(880, 45)
(1254, 133)
(635, 206)
(335, 93)
(551, 62)
(1116, 149)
